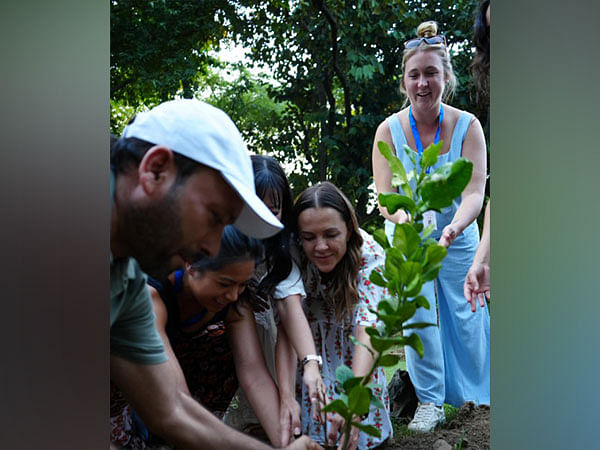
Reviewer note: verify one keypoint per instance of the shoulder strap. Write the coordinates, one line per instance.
(398, 137)
(459, 133)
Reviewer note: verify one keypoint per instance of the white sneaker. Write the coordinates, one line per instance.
(427, 417)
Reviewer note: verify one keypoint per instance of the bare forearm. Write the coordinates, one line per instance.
(196, 428)
(286, 364)
(483, 250)
(263, 396)
(296, 326)
(362, 359)
(468, 211)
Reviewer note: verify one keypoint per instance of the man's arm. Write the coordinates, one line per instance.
(152, 389)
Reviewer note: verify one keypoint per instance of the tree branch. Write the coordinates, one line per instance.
(333, 28)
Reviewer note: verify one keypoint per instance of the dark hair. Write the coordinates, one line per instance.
(343, 291)
(127, 153)
(235, 247)
(480, 68)
(269, 177)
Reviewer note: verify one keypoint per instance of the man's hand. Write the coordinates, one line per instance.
(304, 443)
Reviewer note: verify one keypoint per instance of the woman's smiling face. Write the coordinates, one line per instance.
(324, 236)
(424, 79)
(216, 289)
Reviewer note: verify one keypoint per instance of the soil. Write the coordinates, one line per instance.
(471, 426)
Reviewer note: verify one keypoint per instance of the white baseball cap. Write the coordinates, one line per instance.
(207, 135)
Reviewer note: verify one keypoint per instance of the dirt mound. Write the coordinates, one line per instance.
(469, 429)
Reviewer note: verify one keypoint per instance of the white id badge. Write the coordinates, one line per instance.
(429, 219)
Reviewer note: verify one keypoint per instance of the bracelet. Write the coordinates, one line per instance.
(308, 358)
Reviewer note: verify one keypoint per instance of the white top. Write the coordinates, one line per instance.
(291, 285)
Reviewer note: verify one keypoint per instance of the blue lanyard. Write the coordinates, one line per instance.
(415, 132)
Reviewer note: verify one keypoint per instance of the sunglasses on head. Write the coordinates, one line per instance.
(439, 39)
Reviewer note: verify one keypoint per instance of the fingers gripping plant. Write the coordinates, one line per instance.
(411, 259)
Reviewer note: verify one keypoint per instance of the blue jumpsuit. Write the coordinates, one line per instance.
(456, 365)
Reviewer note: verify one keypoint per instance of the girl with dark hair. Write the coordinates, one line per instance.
(207, 324)
(336, 258)
(281, 284)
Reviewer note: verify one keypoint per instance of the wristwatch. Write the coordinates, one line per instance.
(308, 358)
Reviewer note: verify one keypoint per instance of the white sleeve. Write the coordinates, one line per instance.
(291, 285)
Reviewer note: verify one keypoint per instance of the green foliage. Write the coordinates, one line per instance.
(334, 71)
(337, 67)
(159, 48)
(410, 260)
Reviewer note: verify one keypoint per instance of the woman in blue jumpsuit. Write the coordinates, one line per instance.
(455, 367)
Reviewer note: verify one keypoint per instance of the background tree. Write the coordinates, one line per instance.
(332, 73)
(338, 66)
(160, 48)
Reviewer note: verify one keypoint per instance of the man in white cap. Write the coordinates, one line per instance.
(179, 174)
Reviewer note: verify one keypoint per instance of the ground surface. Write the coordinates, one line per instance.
(468, 429)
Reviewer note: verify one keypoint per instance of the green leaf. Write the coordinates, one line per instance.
(421, 302)
(412, 155)
(351, 382)
(445, 184)
(427, 231)
(388, 305)
(399, 176)
(430, 155)
(414, 341)
(393, 202)
(377, 279)
(369, 429)
(432, 272)
(389, 360)
(408, 271)
(406, 239)
(339, 407)
(414, 286)
(381, 238)
(435, 254)
(372, 331)
(359, 399)
(381, 344)
(406, 310)
(343, 373)
(418, 325)
(396, 165)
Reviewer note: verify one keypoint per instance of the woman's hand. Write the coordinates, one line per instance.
(335, 428)
(400, 216)
(289, 420)
(449, 233)
(477, 284)
(317, 392)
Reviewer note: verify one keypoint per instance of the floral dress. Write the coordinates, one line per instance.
(332, 341)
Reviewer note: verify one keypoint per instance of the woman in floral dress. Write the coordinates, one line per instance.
(336, 258)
